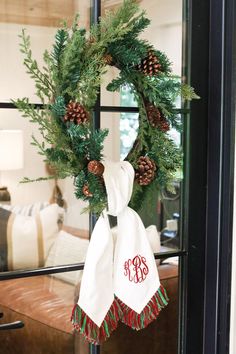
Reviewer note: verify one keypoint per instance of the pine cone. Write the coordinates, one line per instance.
(86, 191)
(150, 65)
(108, 59)
(156, 118)
(153, 115)
(76, 113)
(164, 126)
(96, 167)
(145, 173)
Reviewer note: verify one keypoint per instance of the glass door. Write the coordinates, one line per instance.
(48, 284)
(43, 236)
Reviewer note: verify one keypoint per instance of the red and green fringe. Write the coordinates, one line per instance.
(118, 311)
(94, 334)
(149, 313)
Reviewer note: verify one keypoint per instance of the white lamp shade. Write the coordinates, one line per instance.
(11, 150)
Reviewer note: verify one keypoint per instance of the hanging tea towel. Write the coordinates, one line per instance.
(120, 282)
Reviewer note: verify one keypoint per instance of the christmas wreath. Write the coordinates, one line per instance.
(68, 86)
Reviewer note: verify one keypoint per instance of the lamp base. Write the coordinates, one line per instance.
(5, 197)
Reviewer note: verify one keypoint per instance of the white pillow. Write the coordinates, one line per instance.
(26, 210)
(27, 238)
(68, 249)
(154, 238)
(32, 209)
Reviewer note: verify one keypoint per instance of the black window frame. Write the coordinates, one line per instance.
(211, 175)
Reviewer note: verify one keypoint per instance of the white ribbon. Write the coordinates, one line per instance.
(129, 271)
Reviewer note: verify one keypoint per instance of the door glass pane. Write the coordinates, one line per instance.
(44, 304)
(161, 336)
(40, 19)
(164, 33)
(44, 221)
(161, 208)
(51, 212)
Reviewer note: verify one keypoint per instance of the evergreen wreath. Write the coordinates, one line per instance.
(68, 86)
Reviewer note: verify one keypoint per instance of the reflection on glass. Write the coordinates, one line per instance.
(170, 218)
(128, 132)
(127, 98)
(44, 304)
(32, 247)
(40, 19)
(162, 208)
(164, 32)
(161, 336)
(33, 236)
(30, 235)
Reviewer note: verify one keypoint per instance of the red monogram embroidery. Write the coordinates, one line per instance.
(136, 269)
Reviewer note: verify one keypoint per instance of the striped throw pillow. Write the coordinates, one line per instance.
(33, 209)
(25, 241)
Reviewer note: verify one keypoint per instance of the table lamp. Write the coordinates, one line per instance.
(11, 156)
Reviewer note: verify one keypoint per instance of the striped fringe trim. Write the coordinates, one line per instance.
(118, 311)
(150, 312)
(94, 334)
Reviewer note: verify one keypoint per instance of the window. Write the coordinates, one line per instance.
(194, 261)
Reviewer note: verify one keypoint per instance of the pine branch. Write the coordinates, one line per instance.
(39, 179)
(128, 51)
(58, 107)
(72, 61)
(36, 115)
(59, 47)
(96, 142)
(98, 200)
(42, 80)
(114, 26)
(116, 83)
(188, 92)
(167, 156)
(61, 39)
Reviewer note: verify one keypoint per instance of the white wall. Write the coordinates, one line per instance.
(165, 31)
